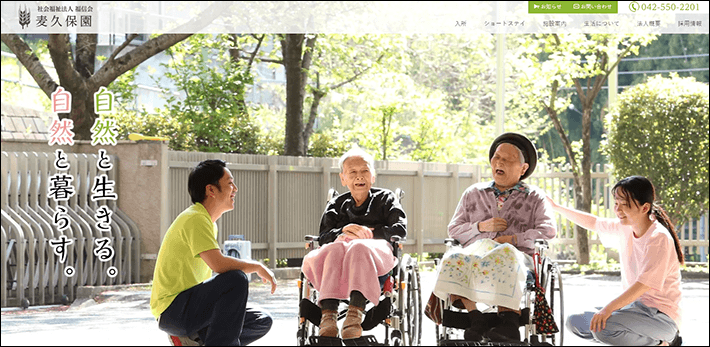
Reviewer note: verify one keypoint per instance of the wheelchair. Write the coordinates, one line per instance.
(399, 309)
(547, 277)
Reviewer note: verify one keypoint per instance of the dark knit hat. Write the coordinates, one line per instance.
(523, 143)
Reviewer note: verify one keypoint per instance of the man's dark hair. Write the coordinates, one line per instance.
(205, 173)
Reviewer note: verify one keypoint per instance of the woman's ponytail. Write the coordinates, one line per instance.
(663, 218)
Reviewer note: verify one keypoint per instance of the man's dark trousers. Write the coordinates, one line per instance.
(216, 311)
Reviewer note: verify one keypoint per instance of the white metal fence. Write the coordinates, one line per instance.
(30, 268)
(281, 199)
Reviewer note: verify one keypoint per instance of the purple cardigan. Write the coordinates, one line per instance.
(528, 216)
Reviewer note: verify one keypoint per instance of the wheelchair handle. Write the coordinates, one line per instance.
(451, 242)
(399, 193)
(396, 239)
(541, 243)
(310, 238)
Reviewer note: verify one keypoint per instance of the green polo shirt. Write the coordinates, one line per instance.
(179, 266)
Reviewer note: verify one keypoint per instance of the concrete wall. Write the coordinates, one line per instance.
(140, 188)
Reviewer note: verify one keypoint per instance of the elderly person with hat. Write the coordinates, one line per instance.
(497, 223)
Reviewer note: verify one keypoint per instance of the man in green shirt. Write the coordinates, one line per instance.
(184, 299)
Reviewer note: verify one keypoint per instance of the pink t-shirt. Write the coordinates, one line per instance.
(651, 260)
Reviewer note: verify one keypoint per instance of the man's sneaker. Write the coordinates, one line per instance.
(184, 341)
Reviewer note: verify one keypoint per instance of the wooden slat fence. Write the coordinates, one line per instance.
(281, 199)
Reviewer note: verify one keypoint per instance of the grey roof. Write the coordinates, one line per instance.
(21, 123)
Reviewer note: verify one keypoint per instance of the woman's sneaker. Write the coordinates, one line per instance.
(677, 341)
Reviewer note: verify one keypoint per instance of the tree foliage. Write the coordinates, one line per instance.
(210, 113)
(660, 130)
(377, 134)
(315, 65)
(213, 107)
(686, 53)
(460, 66)
(327, 144)
(584, 62)
(689, 53)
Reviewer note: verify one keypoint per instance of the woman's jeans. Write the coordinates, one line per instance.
(634, 325)
(216, 312)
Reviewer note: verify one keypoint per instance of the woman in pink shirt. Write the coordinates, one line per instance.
(648, 311)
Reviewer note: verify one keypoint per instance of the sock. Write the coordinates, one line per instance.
(329, 304)
(357, 299)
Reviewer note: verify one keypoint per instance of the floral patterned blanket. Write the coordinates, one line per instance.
(485, 272)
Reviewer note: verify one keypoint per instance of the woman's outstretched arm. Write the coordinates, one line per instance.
(583, 219)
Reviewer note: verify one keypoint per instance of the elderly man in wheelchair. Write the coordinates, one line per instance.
(497, 224)
(357, 232)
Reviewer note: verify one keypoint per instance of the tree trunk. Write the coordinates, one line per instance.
(594, 86)
(583, 243)
(308, 130)
(292, 49)
(82, 109)
(384, 138)
(235, 55)
(85, 53)
(385, 132)
(581, 202)
(31, 62)
(582, 196)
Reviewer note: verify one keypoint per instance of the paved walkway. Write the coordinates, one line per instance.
(123, 317)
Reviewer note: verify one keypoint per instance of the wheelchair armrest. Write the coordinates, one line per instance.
(451, 242)
(312, 238)
(397, 242)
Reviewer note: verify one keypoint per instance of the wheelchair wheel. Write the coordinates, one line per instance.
(555, 298)
(306, 329)
(410, 302)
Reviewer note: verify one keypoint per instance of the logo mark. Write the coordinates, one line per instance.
(24, 17)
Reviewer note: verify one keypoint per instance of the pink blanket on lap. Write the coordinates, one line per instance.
(340, 267)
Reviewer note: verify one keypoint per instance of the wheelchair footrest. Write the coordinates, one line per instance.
(471, 343)
(310, 311)
(453, 319)
(367, 340)
(324, 341)
(460, 320)
(377, 314)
